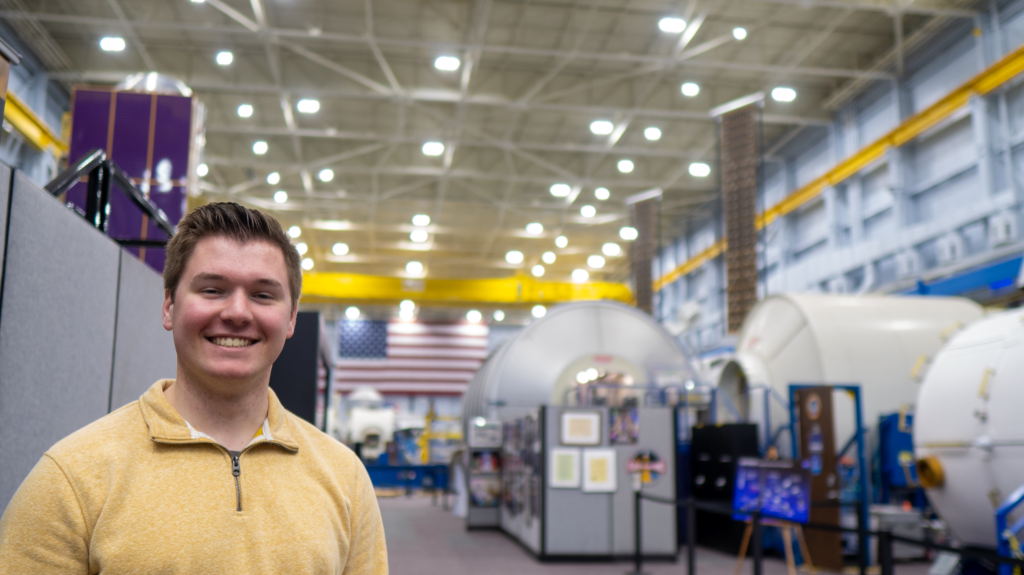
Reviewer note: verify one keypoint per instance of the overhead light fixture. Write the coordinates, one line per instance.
(535, 228)
(690, 89)
(302, 248)
(611, 249)
(198, 1)
(592, 373)
(739, 33)
(596, 262)
(202, 170)
(308, 106)
(352, 312)
(112, 44)
(407, 304)
(628, 233)
(280, 196)
(406, 314)
(537, 270)
(783, 94)
(307, 264)
(602, 194)
(514, 257)
(580, 275)
(561, 241)
(245, 111)
(273, 178)
(560, 190)
(326, 175)
(538, 311)
(548, 257)
(294, 232)
(447, 63)
(652, 133)
(414, 268)
(602, 127)
(474, 316)
(433, 149)
(588, 211)
(419, 236)
(499, 315)
(259, 148)
(672, 25)
(699, 170)
(339, 249)
(421, 220)
(225, 58)
(625, 166)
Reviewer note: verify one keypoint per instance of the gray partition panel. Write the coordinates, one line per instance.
(5, 191)
(144, 350)
(56, 329)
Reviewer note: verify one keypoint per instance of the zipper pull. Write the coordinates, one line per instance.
(236, 468)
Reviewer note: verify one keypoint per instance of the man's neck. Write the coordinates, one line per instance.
(231, 420)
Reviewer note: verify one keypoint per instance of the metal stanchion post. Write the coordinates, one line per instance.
(862, 542)
(756, 518)
(885, 554)
(691, 539)
(637, 553)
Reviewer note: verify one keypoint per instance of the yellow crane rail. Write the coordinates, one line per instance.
(35, 130)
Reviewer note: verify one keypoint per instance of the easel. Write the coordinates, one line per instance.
(788, 528)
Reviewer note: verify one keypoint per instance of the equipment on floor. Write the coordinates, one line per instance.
(714, 453)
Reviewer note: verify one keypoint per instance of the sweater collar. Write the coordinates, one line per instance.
(168, 426)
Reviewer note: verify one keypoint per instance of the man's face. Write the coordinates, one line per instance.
(231, 313)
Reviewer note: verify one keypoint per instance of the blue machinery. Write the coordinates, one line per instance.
(1008, 546)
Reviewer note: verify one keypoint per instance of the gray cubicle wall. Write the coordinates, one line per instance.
(58, 311)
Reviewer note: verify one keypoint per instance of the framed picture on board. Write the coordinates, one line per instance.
(599, 471)
(565, 468)
(581, 428)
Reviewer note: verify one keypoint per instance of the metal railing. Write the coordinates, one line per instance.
(103, 174)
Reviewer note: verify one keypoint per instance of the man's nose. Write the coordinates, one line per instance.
(237, 308)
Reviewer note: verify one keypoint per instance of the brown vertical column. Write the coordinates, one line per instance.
(739, 167)
(8, 57)
(645, 220)
(818, 448)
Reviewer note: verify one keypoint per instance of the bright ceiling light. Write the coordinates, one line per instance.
(739, 33)
(280, 196)
(339, 249)
(202, 170)
(406, 314)
(198, 1)
(560, 190)
(433, 149)
(538, 311)
(592, 373)
(499, 315)
(112, 44)
(302, 248)
(414, 268)
(352, 312)
(407, 304)
(419, 236)
(259, 148)
(561, 241)
(602, 194)
(628, 233)
(474, 316)
(581, 377)
(245, 111)
(652, 133)
(326, 175)
(294, 232)
(699, 170)
(588, 211)
(273, 178)
(514, 257)
(447, 63)
(548, 257)
(307, 264)
(225, 58)
(601, 127)
(535, 228)
(611, 249)
(308, 106)
(421, 220)
(580, 275)
(625, 166)
(672, 25)
(690, 89)
(537, 270)
(596, 262)
(783, 94)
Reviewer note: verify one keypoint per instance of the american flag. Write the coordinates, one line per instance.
(408, 357)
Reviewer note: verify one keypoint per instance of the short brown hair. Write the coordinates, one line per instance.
(233, 221)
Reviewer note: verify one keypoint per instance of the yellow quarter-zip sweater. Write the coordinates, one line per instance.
(139, 492)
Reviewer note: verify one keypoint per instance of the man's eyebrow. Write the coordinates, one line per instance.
(269, 282)
(207, 277)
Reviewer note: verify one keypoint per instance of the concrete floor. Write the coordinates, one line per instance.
(424, 540)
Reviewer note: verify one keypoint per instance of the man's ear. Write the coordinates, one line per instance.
(291, 321)
(168, 308)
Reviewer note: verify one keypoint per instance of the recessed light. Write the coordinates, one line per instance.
(245, 110)
(783, 94)
(421, 220)
(588, 211)
(433, 149)
(596, 262)
(202, 170)
(739, 33)
(352, 312)
(652, 133)
(699, 170)
(280, 196)
(514, 257)
(560, 190)
(611, 249)
(339, 249)
(580, 275)
(602, 194)
(548, 257)
(407, 304)
(447, 63)
(112, 44)
(307, 264)
(302, 248)
(690, 89)
(535, 228)
(601, 127)
(294, 231)
(273, 178)
(628, 233)
(672, 25)
(499, 315)
(225, 58)
(308, 106)
(625, 166)
(326, 175)
(561, 241)
(419, 236)
(414, 268)
(259, 148)
(537, 271)
(538, 311)
(474, 316)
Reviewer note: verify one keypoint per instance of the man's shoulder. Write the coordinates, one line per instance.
(108, 434)
(312, 438)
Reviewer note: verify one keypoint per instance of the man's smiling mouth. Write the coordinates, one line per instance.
(231, 341)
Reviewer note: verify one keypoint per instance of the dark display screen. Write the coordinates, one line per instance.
(779, 489)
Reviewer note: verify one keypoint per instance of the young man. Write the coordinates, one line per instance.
(206, 473)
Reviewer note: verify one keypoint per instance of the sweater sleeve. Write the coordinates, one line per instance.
(368, 554)
(43, 529)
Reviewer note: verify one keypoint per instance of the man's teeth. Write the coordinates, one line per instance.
(231, 341)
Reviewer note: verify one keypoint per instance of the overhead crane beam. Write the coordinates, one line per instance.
(35, 130)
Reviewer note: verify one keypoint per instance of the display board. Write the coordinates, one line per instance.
(778, 489)
(817, 444)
